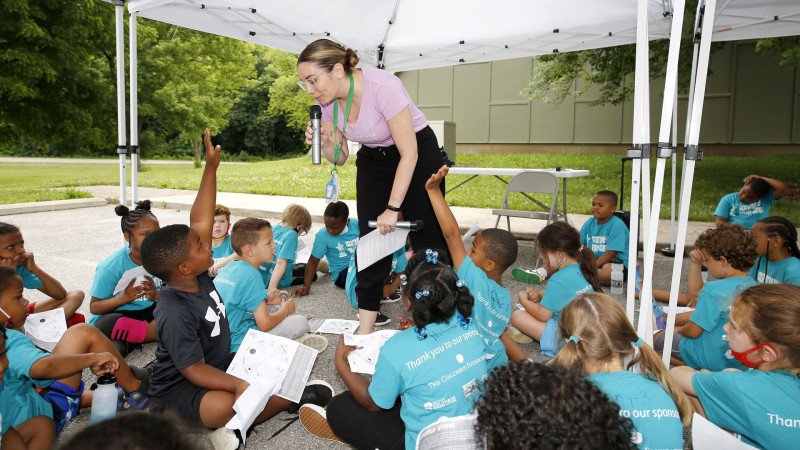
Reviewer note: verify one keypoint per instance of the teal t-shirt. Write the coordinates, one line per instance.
(647, 404)
(491, 312)
(224, 250)
(438, 376)
(19, 400)
(285, 248)
(337, 249)
(710, 350)
(778, 272)
(29, 280)
(610, 236)
(744, 214)
(762, 408)
(112, 277)
(242, 290)
(562, 287)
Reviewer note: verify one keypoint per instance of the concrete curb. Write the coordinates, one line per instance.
(55, 205)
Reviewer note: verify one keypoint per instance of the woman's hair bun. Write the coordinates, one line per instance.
(352, 58)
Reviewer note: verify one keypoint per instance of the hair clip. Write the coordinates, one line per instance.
(580, 249)
(422, 293)
(638, 342)
(422, 333)
(574, 339)
(461, 283)
(463, 321)
(431, 256)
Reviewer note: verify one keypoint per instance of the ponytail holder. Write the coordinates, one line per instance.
(580, 249)
(464, 322)
(574, 339)
(422, 293)
(422, 333)
(638, 342)
(461, 283)
(431, 256)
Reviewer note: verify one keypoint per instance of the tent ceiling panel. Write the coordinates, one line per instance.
(417, 34)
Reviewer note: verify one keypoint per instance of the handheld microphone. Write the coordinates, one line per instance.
(413, 225)
(316, 151)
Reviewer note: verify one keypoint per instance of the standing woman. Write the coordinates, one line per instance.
(399, 153)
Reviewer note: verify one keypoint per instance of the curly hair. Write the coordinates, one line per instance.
(604, 333)
(731, 241)
(528, 405)
(561, 236)
(325, 54)
(131, 217)
(444, 297)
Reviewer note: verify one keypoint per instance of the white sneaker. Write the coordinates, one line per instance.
(224, 439)
(315, 421)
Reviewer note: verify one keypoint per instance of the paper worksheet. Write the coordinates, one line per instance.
(137, 273)
(250, 404)
(707, 436)
(263, 356)
(368, 347)
(46, 328)
(374, 246)
(333, 326)
(303, 253)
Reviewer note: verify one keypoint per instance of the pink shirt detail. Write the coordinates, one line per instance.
(383, 96)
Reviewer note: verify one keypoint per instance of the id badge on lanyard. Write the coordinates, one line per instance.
(332, 189)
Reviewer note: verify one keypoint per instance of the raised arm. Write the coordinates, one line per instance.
(447, 220)
(201, 217)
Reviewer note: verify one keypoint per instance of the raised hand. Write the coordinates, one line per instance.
(212, 153)
(436, 179)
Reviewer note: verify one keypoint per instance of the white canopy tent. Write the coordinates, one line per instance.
(416, 34)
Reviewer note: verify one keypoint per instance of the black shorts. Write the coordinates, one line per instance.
(184, 400)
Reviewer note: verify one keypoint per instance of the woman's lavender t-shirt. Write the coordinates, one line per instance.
(383, 96)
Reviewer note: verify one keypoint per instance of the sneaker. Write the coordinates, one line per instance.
(316, 341)
(224, 439)
(315, 421)
(535, 276)
(394, 297)
(317, 392)
(381, 320)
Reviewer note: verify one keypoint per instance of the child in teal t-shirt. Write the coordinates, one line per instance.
(606, 235)
(296, 220)
(779, 257)
(760, 406)
(336, 242)
(751, 203)
(242, 289)
(598, 337)
(572, 272)
(221, 240)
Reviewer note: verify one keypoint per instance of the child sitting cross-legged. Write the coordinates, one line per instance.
(371, 415)
(482, 266)
(761, 406)
(39, 416)
(606, 235)
(295, 221)
(336, 242)
(598, 337)
(728, 251)
(13, 255)
(572, 272)
(221, 239)
(193, 348)
(242, 287)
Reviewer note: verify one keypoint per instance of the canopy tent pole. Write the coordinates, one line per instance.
(664, 152)
(641, 131)
(691, 155)
(122, 149)
(134, 109)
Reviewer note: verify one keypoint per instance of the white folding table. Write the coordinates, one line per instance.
(499, 172)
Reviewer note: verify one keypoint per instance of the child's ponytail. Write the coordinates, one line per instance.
(435, 292)
(596, 330)
(463, 299)
(130, 218)
(588, 265)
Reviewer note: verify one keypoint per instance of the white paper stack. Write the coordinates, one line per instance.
(46, 328)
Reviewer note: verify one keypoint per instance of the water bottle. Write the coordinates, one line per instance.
(104, 400)
(704, 273)
(616, 275)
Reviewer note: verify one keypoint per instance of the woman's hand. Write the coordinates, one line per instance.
(387, 221)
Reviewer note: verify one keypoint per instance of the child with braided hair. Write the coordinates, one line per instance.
(435, 367)
(598, 337)
(778, 256)
(124, 294)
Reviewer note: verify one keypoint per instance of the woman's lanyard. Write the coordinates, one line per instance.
(332, 188)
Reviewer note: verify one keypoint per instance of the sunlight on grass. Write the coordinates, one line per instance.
(714, 177)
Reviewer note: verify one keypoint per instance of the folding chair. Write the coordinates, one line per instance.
(533, 183)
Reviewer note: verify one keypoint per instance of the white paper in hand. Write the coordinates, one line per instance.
(707, 436)
(46, 328)
(374, 246)
(368, 347)
(250, 404)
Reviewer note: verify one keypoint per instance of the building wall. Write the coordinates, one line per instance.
(752, 104)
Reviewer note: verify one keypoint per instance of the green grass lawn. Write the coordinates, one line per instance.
(714, 177)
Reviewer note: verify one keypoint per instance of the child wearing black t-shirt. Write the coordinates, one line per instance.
(191, 324)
